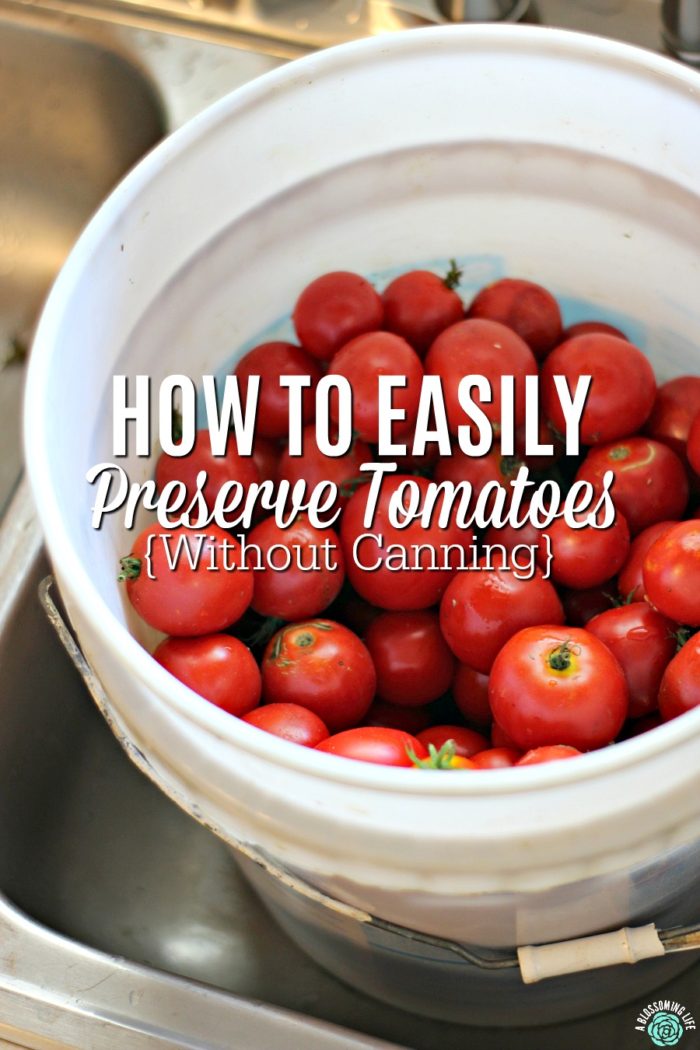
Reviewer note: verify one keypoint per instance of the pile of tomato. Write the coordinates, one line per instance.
(475, 668)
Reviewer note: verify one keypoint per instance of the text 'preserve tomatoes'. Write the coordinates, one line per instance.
(385, 624)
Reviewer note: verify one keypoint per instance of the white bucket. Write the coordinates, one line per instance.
(568, 159)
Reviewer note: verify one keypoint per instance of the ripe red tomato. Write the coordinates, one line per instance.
(582, 606)
(643, 643)
(270, 361)
(470, 692)
(630, 582)
(676, 406)
(693, 447)
(482, 609)
(499, 738)
(183, 600)
(528, 308)
(313, 466)
(622, 390)
(553, 753)
(546, 436)
(290, 721)
(467, 742)
(589, 327)
(558, 685)
(220, 469)
(650, 480)
(390, 716)
(479, 471)
(419, 305)
(377, 568)
(586, 557)
(672, 573)
(384, 747)
(266, 456)
(323, 666)
(507, 536)
(217, 666)
(413, 662)
(496, 758)
(484, 348)
(310, 583)
(680, 686)
(334, 309)
(361, 362)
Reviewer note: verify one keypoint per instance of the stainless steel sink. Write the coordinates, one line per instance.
(122, 922)
(73, 118)
(81, 100)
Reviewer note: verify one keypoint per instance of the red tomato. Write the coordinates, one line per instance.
(290, 721)
(323, 666)
(307, 585)
(672, 573)
(334, 309)
(220, 469)
(413, 464)
(362, 361)
(413, 662)
(313, 466)
(445, 759)
(390, 716)
(590, 327)
(266, 456)
(676, 406)
(643, 642)
(481, 609)
(500, 739)
(680, 686)
(184, 600)
(484, 348)
(553, 753)
(479, 471)
(384, 747)
(376, 568)
(271, 361)
(470, 692)
(467, 742)
(630, 583)
(650, 480)
(529, 309)
(558, 685)
(217, 666)
(419, 305)
(622, 390)
(545, 436)
(507, 536)
(586, 557)
(496, 758)
(582, 606)
(693, 449)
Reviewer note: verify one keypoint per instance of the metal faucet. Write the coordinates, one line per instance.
(483, 10)
(681, 28)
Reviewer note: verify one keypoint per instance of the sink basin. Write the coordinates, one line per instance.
(74, 117)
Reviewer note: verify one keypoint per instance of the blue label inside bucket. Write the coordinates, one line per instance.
(477, 272)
